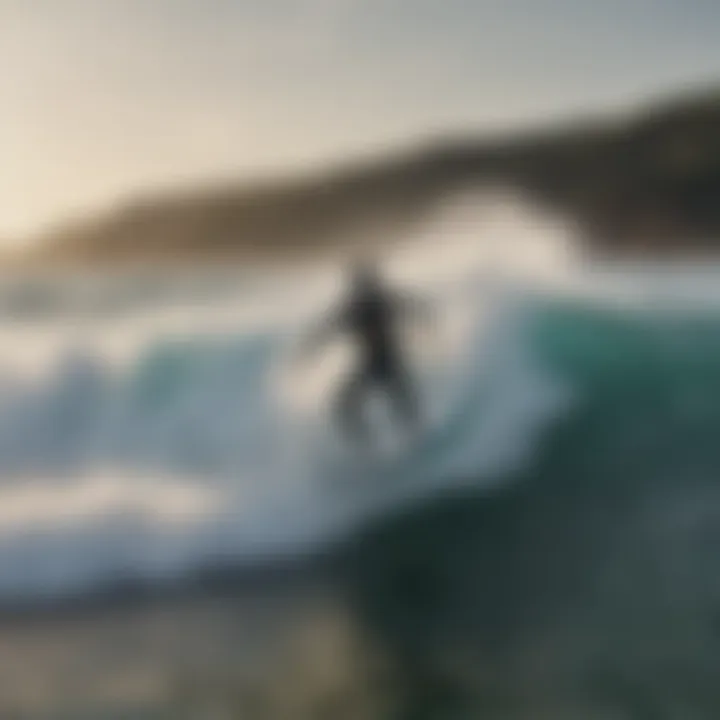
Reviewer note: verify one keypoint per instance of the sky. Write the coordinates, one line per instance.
(105, 99)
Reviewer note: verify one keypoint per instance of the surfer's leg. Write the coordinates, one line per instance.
(349, 408)
(404, 399)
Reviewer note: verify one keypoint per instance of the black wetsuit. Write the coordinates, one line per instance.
(371, 319)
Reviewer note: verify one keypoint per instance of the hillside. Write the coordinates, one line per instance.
(647, 183)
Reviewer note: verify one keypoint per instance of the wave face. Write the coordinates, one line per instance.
(152, 425)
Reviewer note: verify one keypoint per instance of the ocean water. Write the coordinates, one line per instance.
(155, 423)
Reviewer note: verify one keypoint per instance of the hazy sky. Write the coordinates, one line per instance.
(100, 98)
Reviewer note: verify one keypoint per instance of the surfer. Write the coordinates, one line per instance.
(370, 317)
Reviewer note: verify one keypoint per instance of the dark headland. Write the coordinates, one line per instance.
(644, 183)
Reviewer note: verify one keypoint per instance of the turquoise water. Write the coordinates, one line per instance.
(650, 388)
(585, 583)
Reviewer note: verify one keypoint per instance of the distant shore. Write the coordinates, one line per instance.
(647, 184)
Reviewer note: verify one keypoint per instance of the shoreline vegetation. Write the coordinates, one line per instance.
(646, 184)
